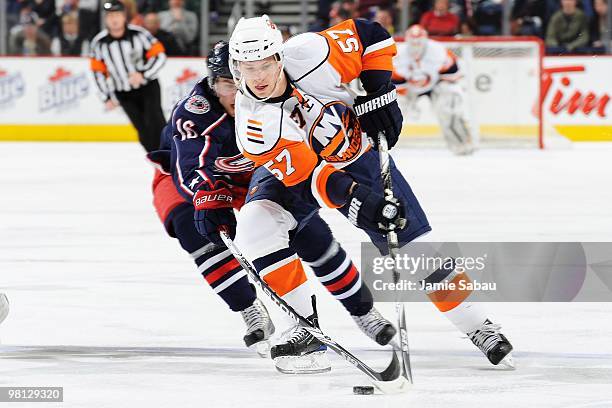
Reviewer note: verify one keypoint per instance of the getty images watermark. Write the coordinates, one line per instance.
(500, 271)
(422, 266)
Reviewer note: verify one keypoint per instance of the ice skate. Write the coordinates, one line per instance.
(493, 344)
(376, 327)
(259, 328)
(300, 353)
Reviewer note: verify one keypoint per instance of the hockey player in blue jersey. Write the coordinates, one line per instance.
(200, 154)
(215, 262)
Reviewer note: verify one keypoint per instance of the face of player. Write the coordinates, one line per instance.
(115, 21)
(263, 77)
(225, 89)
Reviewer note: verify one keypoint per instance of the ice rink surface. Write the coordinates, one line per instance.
(106, 305)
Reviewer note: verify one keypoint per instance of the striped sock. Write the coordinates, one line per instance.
(226, 277)
(339, 275)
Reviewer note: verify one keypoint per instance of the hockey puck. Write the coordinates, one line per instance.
(363, 390)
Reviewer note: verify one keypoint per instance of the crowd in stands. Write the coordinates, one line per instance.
(566, 26)
(65, 27)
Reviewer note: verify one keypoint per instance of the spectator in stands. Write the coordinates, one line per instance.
(152, 24)
(47, 19)
(286, 31)
(133, 15)
(416, 9)
(440, 21)
(528, 17)
(183, 24)
(24, 10)
(487, 17)
(66, 6)
(599, 24)
(568, 29)
(384, 17)
(13, 8)
(350, 8)
(337, 14)
(322, 18)
(89, 18)
(69, 42)
(146, 6)
(368, 8)
(29, 40)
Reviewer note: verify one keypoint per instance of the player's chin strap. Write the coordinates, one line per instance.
(389, 381)
(393, 245)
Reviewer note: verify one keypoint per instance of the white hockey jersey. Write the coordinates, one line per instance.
(314, 132)
(420, 75)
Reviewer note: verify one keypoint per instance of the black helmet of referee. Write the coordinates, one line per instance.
(218, 63)
(113, 5)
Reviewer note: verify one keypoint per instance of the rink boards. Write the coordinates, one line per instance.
(55, 99)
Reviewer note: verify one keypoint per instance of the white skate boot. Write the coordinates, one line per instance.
(259, 328)
(493, 344)
(300, 352)
(375, 326)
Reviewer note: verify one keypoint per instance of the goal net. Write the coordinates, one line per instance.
(501, 81)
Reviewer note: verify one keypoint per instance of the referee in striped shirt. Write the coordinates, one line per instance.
(125, 61)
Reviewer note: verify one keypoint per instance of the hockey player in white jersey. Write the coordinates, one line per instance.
(428, 68)
(295, 122)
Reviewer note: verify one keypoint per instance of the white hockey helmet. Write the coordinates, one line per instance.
(416, 37)
(254, 39)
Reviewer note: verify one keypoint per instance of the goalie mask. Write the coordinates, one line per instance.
(416, 38)
(256, 51)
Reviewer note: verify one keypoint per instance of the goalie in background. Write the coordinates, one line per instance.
(429, 69)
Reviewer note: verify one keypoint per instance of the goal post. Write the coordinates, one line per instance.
(502, 81)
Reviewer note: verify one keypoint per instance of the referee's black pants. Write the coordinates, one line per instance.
(143, 107)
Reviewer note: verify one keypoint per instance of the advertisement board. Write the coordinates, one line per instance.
(56, 99)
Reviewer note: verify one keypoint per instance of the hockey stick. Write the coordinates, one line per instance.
(393, 245)
(389, 381)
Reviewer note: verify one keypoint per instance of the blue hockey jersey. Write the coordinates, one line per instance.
(198, 145)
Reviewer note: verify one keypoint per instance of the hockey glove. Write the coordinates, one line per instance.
(372, 211)
(161, 159)
(214, 211)
(379, 112)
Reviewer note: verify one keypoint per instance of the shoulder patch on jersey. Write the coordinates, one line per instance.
(197, 104)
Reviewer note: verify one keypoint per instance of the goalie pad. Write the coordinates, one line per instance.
(448, 102)
(411, 98)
